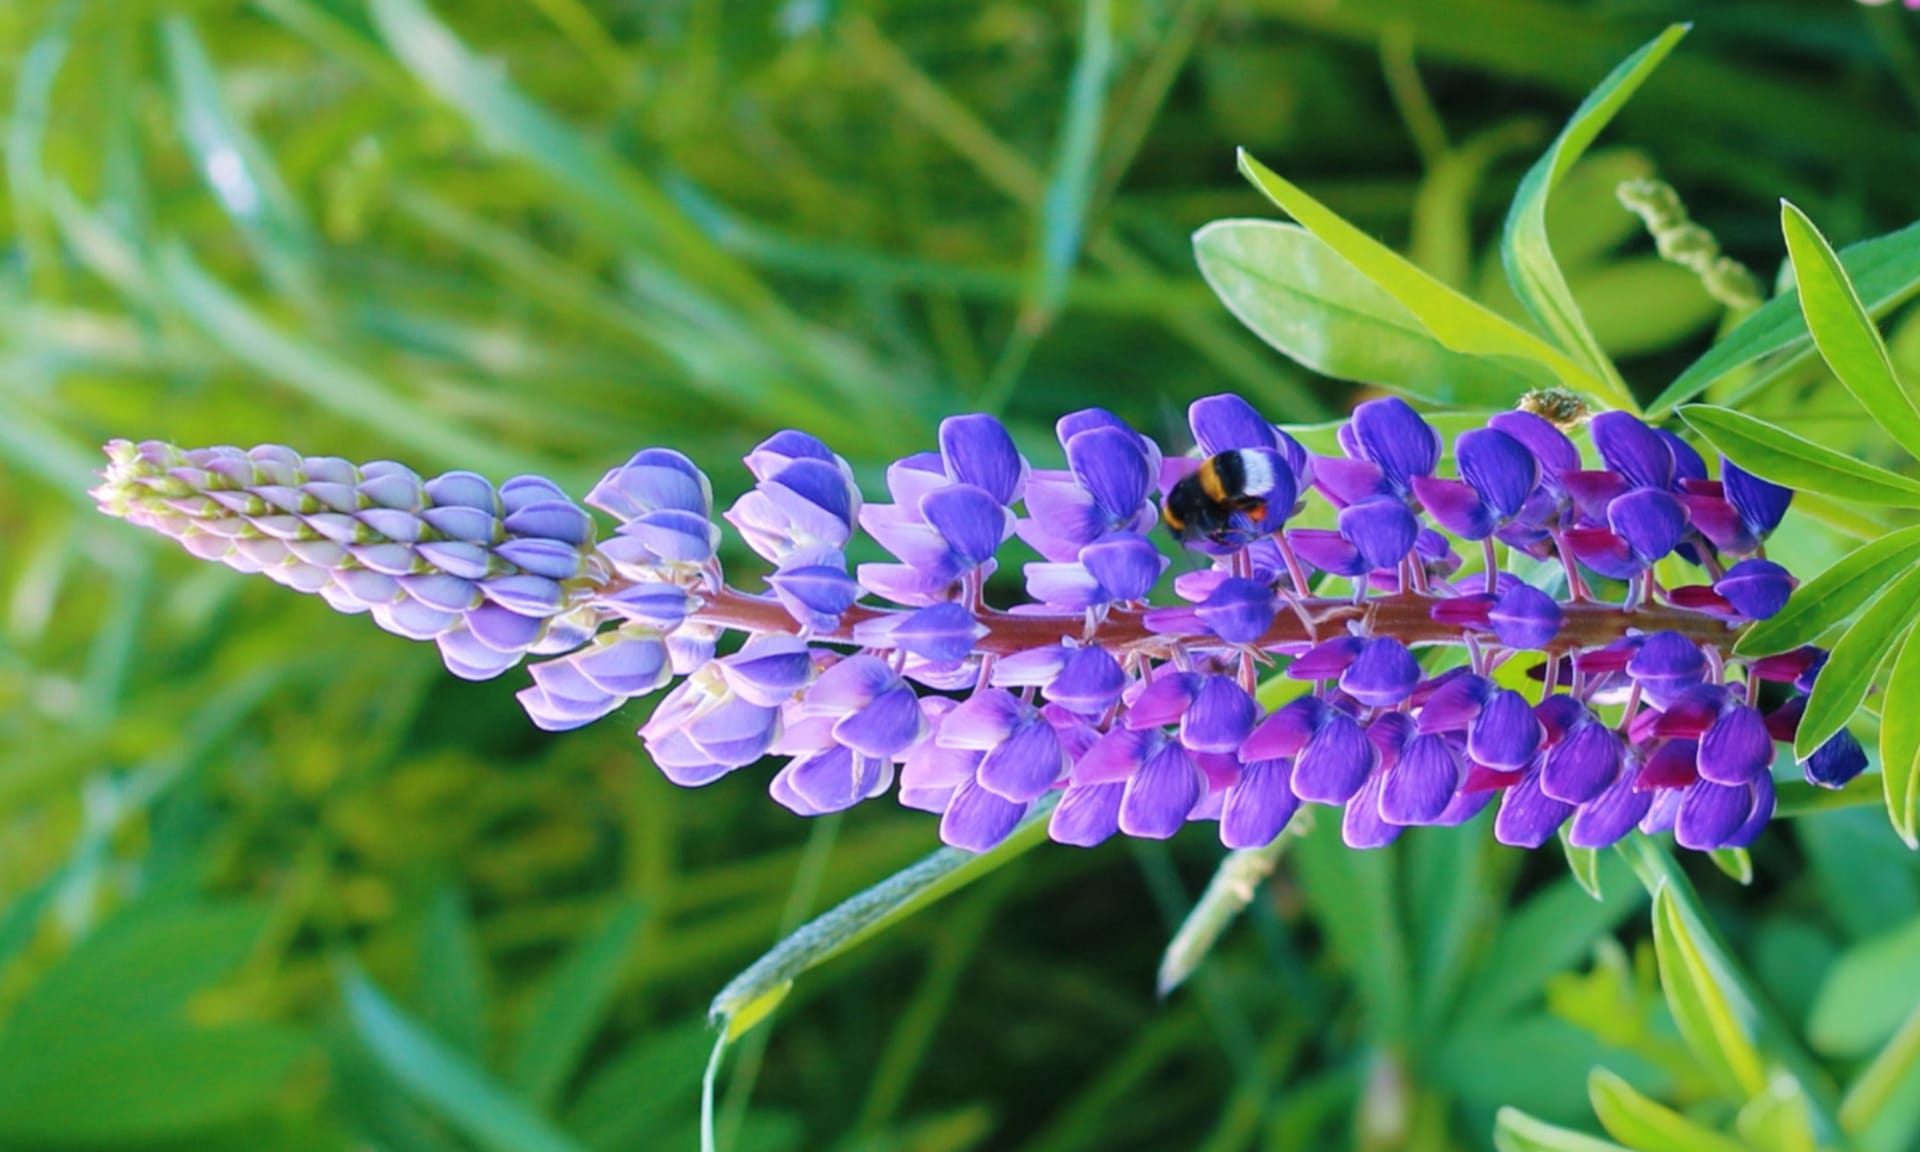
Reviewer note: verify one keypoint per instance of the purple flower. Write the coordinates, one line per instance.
(1128, 715)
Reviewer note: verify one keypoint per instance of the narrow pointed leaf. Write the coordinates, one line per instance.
(1834, 595)
(756, 991)
(1309, 302)
(452, 976)
(1845, 333)
(1900, 743)
(1515, 1131)
(1856, 658)
(1720, 1038)
(1584, 864)
(570, 1007)
(459, 1093)
(1734, 863)
(1645, 1124)
(1232, 888)
(1458, 323)
(1882, 1080)
(1885, 271)
(1778, 1120)
(1536, 277)
(1784, 458)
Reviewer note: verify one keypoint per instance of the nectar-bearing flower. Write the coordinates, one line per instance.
(1424, 683)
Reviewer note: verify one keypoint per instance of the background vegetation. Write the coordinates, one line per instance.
(272, 879)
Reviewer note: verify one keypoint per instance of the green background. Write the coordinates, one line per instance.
(269, 878)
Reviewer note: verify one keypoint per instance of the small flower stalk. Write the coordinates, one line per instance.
(1420, 648)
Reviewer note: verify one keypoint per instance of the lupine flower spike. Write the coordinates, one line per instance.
(1594, 698)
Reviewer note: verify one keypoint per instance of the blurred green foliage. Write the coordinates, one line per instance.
(269, 879)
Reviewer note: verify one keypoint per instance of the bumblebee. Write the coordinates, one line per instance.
(1202, 506)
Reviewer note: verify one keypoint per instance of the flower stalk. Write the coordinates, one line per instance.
(1123, 712)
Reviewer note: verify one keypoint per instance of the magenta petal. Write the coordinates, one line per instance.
(1529, 817)
(1605, 552)
(1453, 705)
(1086, 815)
(983, 720)
(1671, 766)
(1162, 702)
(1160, 796)
(977, 820)
(1418, 788)
(1456, 506)
(1283, 734)
(1259, 805)
(1326, 660)
(1025, 765)
(1116, 755)
(1335, 763)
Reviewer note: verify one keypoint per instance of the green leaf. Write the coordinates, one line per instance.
(1850, 1012)
(1885, 272)
(1900, 743)
(1879, 1082)
(1645, 1124)
(569, 1008)
(1458, 323)
(1232, 888)
(642, 1089)
(138, 1085)
(1720, 1038)
(1309, 302)
(1515, 1131)
(456, 1091)
(1833, 595)
(1734, 863)
(758, 990)
(1844, 332)
(1784, 458)
(138, 968)
(1856, 658)
(1536, 277)
(1584, 864)
(452, 980)
(1779, 1119)
(234, 164)
(1550, 933)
